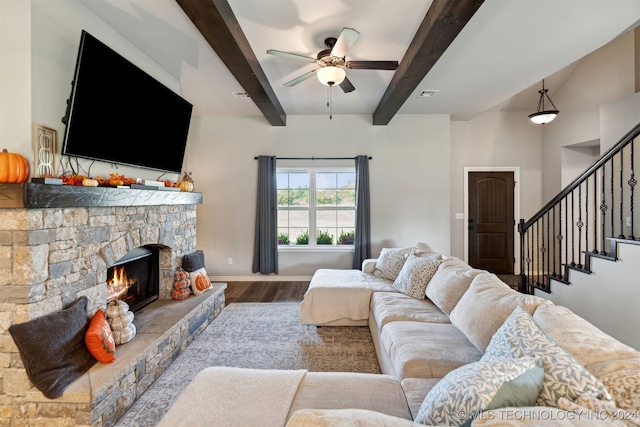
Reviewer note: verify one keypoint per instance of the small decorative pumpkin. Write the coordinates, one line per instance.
(13, 168)
(88, 182)
(180, 294)
(186, 186)
(186, 183)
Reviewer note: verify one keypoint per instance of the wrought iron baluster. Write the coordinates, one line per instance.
(554, 250)
(632, 183)
(621, 235)
(613, 205)
(586, 215)
(595, 212)
(560, 238)
(603, 211)
(573, 231)
(579, 224)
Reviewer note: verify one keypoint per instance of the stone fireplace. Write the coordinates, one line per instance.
(58, 243)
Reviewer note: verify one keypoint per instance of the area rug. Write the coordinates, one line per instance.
(262, 336)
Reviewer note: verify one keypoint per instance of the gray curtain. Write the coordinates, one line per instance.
(265, 250)
(362, 242)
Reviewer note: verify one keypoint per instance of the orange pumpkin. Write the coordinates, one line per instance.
(202, 282)
(13, 167)
(180, 294)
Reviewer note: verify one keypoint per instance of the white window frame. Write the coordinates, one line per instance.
(313, 246)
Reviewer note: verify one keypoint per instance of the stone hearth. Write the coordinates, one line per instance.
(56, 243)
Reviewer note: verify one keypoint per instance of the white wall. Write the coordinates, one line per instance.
(608, 297)
(409, 176)
(495, 139)
(39, 42)
(604, 76)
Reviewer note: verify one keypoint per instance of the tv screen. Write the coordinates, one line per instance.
(117, 113)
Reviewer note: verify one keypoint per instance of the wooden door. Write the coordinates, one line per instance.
(491, 221)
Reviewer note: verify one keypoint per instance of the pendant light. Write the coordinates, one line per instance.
(543, 116)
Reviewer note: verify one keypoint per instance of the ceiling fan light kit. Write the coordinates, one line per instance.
(331, 75)
(543, 116)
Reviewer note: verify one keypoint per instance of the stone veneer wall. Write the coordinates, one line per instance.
(50, 257)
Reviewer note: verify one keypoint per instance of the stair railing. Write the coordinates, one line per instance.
(585, 220)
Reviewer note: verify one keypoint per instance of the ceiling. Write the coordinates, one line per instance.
(494, 61)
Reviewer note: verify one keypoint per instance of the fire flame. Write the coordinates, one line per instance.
(119, 284)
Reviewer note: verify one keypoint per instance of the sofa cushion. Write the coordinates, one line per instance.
(486, 305)
(426, 350)
(392, 306)
(598, 352)
(415, 275)
(343, 390)
(390, 262)
(479, 386)
(450, 282)
(564, 376)
(415, 390)
(345, 417)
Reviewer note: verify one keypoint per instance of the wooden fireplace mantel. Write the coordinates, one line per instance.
(43, 196)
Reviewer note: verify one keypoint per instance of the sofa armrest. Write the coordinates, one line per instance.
(369, 265)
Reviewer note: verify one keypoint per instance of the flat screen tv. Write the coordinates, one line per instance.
(117, 113)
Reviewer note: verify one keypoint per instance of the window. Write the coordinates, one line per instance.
(316, 206)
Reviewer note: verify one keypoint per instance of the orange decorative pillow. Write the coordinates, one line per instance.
(199, 281)
(99, 339)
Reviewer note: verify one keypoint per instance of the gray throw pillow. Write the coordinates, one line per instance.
(194, 261)
(52, 348)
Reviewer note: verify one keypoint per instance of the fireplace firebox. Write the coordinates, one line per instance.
(134, 278)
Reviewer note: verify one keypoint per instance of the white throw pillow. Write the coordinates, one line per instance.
(415, 275)
(564, 376)
(199, 281)
(390, 262)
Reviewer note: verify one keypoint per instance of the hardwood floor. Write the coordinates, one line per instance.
(265, 291)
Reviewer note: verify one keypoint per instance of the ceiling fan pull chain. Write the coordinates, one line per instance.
(330, 104)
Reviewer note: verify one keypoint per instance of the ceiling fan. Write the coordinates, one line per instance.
(332, 62)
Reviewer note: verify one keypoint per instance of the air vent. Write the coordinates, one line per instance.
(241, 95)
(427, 93)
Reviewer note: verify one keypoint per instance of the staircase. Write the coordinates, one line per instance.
(585, 244)
(589, 219)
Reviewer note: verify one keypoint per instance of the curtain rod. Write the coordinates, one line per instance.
(316, 158)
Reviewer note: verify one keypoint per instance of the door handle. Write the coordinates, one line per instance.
(471, 227)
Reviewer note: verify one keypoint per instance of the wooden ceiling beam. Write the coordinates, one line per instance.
(442, 23)
(218, 25)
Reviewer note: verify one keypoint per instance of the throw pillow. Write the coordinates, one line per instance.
(424, 250)
(199, 281)
(486, 305)
(464, 392)
(194, 261)
(415, 275)
(99, 338)
(450, 282)
(390, 262)
(52, 348)
(564, 376)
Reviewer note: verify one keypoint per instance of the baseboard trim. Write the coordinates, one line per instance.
(270, 278)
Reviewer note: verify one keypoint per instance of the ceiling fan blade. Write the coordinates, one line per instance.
(300, 78)
(346, 86)
(347, 38)
(291, 55)
(372, 65)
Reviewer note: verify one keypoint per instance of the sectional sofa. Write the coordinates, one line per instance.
(456, 346)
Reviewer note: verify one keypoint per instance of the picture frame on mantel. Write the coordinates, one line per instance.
(44, 145)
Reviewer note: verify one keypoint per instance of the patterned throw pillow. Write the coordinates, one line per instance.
(464, 392)
(390, 262)
(199, 281)
(99, 339)
(415, 275)
(564, 376)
